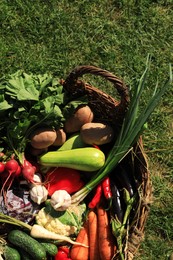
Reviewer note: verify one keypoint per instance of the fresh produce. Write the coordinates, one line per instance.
(97, 197)
(85, 159)
(50, 248)
(66, 223)
(96, 133)
(93, 236)
(106, 186)
(38, 193)
(73, 142)
(116, 208)
(107, 247)
(60, 200)
(28, 102)
(27, 243)
(78, 252)
(82, 115)
(11, 253)
(131, 128)
(60, 137)
(36, 231)
(42, 138)
(62, 178)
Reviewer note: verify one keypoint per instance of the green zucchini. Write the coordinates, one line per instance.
(11, 253)
(51, 249)
(85, 159)
(27, 243)
(73, 142)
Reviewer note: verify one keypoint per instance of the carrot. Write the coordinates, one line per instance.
(79, 252)
(106, 242)
(93, 236)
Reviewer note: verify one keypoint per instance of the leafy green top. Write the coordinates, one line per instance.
(28, 101)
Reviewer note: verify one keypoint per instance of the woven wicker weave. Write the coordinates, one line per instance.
(107, 109)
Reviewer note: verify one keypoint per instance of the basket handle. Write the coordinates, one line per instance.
(121, 88)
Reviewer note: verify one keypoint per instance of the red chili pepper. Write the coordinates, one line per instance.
(107, 188)
(96, 199)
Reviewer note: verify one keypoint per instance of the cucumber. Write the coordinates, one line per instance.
(27, 243)
(85, 159)
(73, 142)
(50, 248)
(25, 255)
(11, 253)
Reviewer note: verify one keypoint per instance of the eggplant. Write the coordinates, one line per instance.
(116, 206)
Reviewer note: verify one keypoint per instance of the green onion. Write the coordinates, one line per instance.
(131, 129)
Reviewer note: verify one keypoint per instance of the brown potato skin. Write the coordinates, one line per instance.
(43, 138)
(96, 133)
(60, 137)
(82, 115)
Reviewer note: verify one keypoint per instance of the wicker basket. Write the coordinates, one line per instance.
(107, 109)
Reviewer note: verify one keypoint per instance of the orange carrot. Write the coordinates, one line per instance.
(93, 236)
(106, 240)
(78, 252)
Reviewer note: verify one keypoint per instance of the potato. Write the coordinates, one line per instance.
(43, 138)
(82, 115)
(36, 151)
(96, 133)
(60, 137)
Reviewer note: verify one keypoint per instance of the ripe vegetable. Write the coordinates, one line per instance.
(96, 198)
(66, 223)
(106, 240)
(43, 138)
(73, 142)
(62, 178)
(60, 137)
(60, 200)
(40, 232)
(96, 133)
(82, 115)
(93, 236)
(27, 243)
(78, 252)
(106, 186)
(38, 193)
(84, 159)
(11, 253)
(2, 167)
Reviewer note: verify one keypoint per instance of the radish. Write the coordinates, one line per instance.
(2, 167)
(28, 173)
(11, 167)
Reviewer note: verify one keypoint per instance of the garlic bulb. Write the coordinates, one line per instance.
(38, 193)
(60, 200)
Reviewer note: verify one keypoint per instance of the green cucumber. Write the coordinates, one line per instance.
(11, 253)
(25, 255)
(85, 159)
(51, 249)
(27, 243)
(73, 142)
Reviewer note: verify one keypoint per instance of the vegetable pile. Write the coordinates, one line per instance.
(67, 191)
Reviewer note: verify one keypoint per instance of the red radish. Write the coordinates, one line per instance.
(28, 173)
(11, 167)
(2, 167)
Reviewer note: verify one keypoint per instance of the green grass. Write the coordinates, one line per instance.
(56, 36)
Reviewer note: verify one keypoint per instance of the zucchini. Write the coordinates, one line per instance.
(27, 243)
(85, 159)
(73, 142)
(51, 249)
(11, 253)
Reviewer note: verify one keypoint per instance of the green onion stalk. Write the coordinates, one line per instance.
(131, 129)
